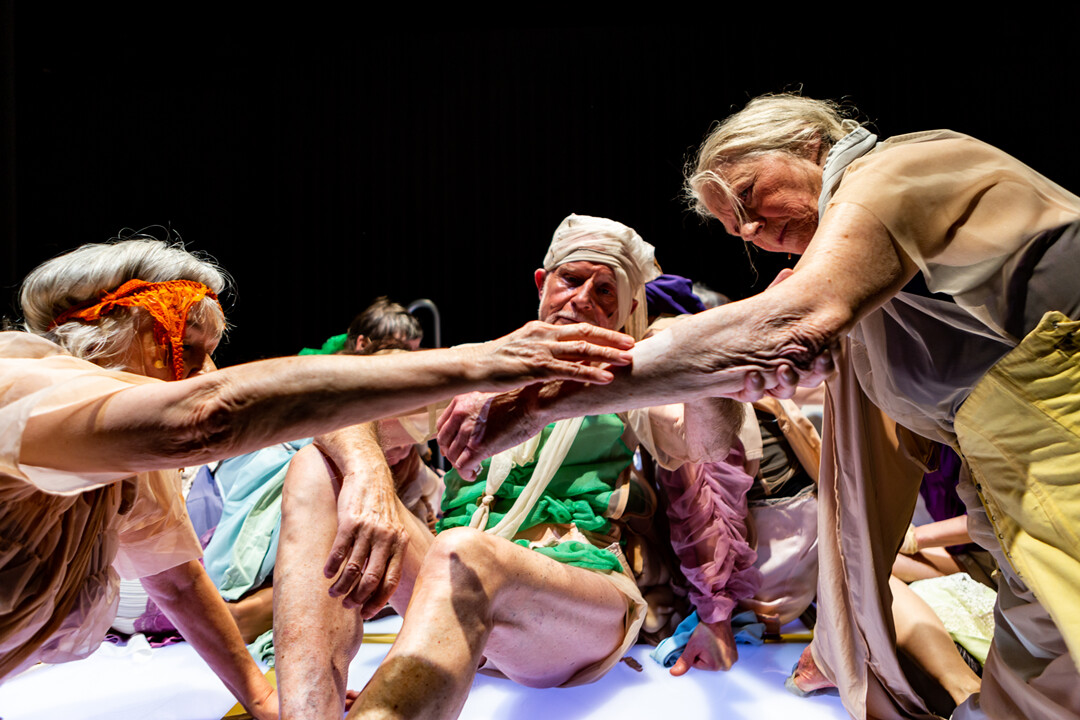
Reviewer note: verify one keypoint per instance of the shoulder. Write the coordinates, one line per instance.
(14, 344)
(931, 152)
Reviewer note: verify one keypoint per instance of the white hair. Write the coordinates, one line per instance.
(85, 273)
(783, 123)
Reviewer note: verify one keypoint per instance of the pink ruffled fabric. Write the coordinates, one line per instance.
(707, 512)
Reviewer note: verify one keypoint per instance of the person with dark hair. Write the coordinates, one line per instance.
(384, 319)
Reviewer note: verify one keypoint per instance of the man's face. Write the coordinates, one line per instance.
(579, 291)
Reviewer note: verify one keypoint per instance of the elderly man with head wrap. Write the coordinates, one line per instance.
(527, 572)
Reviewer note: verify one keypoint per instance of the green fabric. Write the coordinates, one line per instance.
(262, 648)
(331, 346)
(578, 494)
(581, 554)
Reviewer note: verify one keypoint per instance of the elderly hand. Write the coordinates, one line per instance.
(539, 351)
(478, 425)
(369, 547)
(711, 647)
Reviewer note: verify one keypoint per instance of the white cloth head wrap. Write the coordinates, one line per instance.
(610, 243)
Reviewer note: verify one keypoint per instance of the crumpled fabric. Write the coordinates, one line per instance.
(707, 504)
(242, 553)
(64, 543)
(966, 609)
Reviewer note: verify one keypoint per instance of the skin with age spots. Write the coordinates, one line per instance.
(778, 197)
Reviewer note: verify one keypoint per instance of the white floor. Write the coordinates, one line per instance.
(173, 684)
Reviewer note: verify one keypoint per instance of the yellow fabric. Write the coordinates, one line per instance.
(1020, 433)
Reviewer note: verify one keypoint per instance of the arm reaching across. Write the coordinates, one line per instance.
(769, 343)
(239, 409)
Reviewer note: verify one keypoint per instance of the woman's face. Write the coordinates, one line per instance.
(148, 358)
(779, 195)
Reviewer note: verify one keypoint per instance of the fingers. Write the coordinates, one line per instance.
(339, 551)
(457, 423)
(561, 370)
(370, 578)
(355, 547)
(386, 588)
(594, 334)
(681, 666)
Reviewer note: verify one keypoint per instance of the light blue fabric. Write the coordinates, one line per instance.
(240, 556)
(748, 631)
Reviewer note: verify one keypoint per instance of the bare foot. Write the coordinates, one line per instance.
(806, 677)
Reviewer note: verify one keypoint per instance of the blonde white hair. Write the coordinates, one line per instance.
(85, 273)
(781, 123)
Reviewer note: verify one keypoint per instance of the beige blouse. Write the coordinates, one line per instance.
(62, 539)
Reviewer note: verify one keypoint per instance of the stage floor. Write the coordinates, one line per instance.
(172, 683)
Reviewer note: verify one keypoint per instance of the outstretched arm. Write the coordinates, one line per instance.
(767, 343)
(237, 410)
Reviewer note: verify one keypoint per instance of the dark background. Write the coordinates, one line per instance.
(324, 161)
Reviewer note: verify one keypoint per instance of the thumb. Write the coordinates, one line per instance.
(681, 666)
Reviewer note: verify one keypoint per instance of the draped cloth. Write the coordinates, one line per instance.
(63, 542)
(1001, 244)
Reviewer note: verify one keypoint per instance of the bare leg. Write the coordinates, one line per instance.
(315, 636)
(920, 634)
(538, 620)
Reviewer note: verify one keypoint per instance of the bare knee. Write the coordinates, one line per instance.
(308, 488)
(463, 564)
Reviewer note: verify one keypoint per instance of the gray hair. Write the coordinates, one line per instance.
(782, 123)
(85, 273)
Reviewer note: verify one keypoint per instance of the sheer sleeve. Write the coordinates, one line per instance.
(707, 512)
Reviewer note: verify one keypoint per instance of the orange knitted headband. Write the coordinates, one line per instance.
(167, 302)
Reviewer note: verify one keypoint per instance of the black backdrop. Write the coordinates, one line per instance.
(324, 162)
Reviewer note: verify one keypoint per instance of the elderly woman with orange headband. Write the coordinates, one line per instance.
(91, 438)
(948, 268)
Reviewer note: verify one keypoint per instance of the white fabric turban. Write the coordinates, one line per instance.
(606, 242)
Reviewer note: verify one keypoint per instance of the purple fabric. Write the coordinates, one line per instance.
(938, 491)
(672, 295)
(707, 512)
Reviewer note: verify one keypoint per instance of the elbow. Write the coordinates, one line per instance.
(172, 586)
(206, 426)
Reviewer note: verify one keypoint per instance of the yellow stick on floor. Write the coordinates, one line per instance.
(238, 712)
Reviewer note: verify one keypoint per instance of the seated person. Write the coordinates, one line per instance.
(380, 321)
(526, 574)
(240, 544)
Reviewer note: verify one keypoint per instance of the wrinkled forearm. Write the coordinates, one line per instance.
(241, 409)
(943, 533)
(352, 448)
